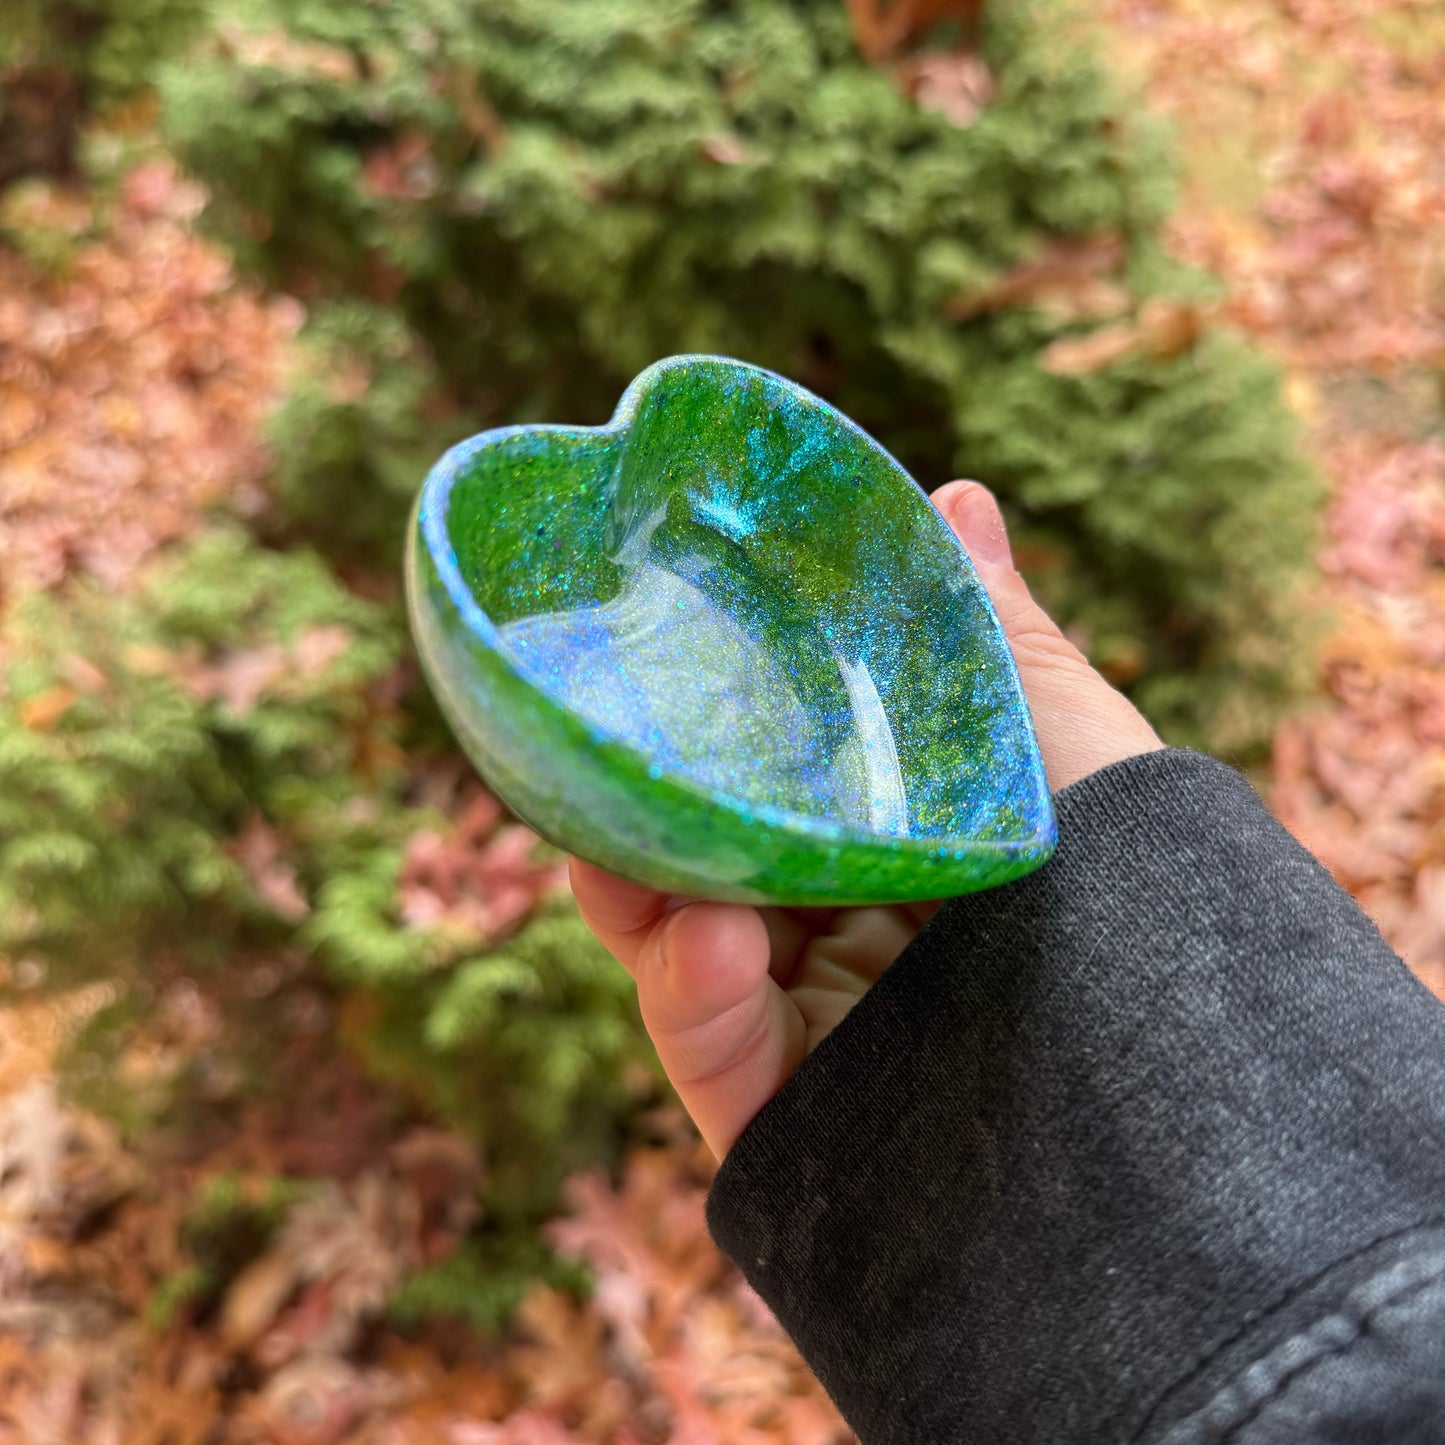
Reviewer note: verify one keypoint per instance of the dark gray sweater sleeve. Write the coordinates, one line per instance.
(1148, 1146)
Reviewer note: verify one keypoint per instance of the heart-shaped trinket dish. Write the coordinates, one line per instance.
(724, 646)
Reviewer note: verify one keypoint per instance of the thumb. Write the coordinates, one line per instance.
(727, 1035)
(1083, 724)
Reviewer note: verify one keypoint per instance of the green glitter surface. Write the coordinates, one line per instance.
(725, 646)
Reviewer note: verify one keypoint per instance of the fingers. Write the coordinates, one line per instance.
(862, 943)
(1083, 724)
(727, 1035)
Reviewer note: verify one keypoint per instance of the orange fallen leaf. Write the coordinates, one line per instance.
(41, 712)
(261, 852)
(956, 84)
(1162, 330)
(883, 28)
(1070, 277)
(256, 1297)
(725, 150)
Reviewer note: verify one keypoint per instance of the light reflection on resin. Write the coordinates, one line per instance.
(668, 667)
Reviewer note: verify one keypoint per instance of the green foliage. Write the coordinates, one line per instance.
(231, 1219)
(110, 46)
(139, 737)
(482, 1282)
(355, 430)
(550, 194)
(148, 741)
(60, 60)
(227, 1224)
(532, 1047)
(185, 1288)
(47, 244)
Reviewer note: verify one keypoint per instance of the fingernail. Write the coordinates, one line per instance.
(980, 526)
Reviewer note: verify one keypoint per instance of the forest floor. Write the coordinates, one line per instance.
(1312, 132)
(132, 391)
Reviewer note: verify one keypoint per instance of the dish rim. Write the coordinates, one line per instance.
(432, 506)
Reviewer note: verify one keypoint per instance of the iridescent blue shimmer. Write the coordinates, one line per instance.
(725, 646)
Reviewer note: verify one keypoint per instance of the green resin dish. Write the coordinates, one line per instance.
(725, 646)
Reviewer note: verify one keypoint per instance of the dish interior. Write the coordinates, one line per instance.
(739, 584)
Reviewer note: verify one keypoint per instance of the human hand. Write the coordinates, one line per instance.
(735, 997)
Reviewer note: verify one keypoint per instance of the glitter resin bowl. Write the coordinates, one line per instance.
(725, 646)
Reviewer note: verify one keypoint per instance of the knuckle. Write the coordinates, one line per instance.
(1037, 645)
(705, 1053)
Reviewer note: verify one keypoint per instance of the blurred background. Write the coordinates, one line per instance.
(322, 1118)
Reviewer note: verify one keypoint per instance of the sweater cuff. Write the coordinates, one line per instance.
(1099, 1137)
